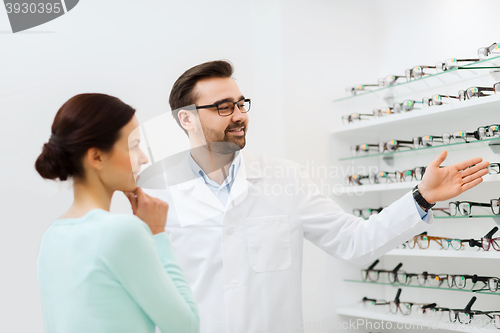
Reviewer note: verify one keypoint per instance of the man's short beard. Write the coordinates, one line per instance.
(222, 147)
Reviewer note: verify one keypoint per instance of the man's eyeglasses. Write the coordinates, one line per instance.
(226, 108)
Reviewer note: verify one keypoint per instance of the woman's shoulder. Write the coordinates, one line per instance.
(122, 224)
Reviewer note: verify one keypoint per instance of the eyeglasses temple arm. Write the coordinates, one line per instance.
(469, 305)
(490, 234)
(432, 305)
(396, 299)
(372, 265)
(397, 267)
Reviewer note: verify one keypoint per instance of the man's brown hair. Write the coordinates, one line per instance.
(183, 93)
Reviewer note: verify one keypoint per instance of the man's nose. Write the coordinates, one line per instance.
(237, 114)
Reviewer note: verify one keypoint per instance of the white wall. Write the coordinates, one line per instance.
(320, 56)
(291, 57)
(135, 51)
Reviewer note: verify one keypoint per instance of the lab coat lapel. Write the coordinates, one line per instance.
(194, 201)
(242, 184)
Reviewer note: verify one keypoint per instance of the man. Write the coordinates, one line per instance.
(237, 220)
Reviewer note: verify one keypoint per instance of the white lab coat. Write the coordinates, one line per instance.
(244, 261)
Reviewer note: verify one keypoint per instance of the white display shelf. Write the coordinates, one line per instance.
(429, 325)
(435, 80)
(359, 190)
(434, 114)
(491, 254)
(398, 285)
(430, 150)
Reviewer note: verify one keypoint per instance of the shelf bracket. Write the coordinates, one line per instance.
(389, 159)
(495, 146)
(497, 220)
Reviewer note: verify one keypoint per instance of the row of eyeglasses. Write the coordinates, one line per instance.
(418, 72)
(384, 177)
(459, 281)
(432, 311)
(481, 133)
(410, 105)
(424, 241)
(454, 207)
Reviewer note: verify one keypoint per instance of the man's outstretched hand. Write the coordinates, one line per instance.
(439, 184)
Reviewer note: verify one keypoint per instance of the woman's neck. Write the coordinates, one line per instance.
(88, 196)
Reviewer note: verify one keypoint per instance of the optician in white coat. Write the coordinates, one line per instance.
(243, 259)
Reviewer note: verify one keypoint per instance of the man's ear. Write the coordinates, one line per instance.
(187, 119)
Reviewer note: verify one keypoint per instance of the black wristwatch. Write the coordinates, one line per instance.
(420, 200)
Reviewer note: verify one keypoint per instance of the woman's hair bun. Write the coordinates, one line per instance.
(52, 162)
(85, 121)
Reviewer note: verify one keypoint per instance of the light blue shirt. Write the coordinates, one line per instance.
(220, 191)
(422, 212)
(107, 273)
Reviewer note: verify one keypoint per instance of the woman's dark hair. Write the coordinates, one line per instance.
(183, 94)
(84, 121)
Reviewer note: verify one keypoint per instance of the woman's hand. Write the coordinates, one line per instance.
(439, 184)
(151, 210)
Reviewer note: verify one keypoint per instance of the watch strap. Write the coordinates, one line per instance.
(420, 199)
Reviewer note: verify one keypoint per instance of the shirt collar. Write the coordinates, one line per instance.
(232, 169)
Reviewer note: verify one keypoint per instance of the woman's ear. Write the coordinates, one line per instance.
(95, 158)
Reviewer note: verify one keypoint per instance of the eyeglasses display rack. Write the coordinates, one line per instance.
(464, 121)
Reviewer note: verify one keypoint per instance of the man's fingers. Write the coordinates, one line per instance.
(440, 159)
(471, 184)
(468, 163)
(474, 169)
(474, 176)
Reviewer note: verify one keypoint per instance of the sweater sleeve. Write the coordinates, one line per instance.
(146, 268)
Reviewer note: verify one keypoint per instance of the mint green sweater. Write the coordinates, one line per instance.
(108, 273)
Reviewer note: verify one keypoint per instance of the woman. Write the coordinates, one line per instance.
(99, 271)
